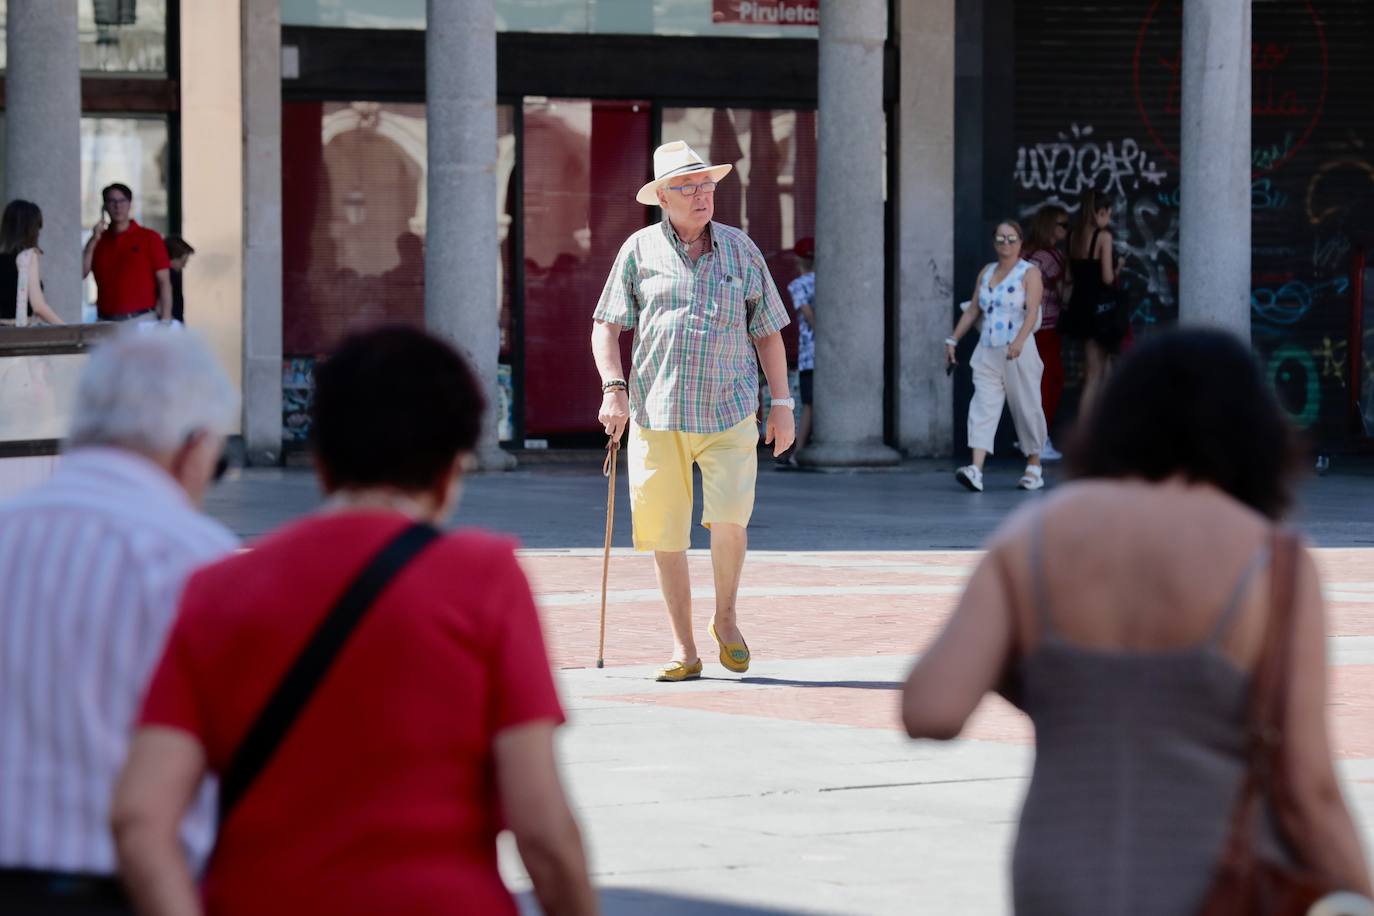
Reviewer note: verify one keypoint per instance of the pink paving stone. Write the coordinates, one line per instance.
(853, 625)
(776, 628)
(1350, 710)
(994, 720)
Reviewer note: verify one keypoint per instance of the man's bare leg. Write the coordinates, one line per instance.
(729, 544)
(676, 586)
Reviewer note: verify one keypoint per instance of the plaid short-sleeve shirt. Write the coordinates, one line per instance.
(693, 367)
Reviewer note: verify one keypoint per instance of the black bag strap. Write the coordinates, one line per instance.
(282, 709)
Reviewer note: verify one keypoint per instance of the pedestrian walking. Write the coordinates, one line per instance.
(1094, 314)
(91, 564)
(803, 293)
(179, 253)
(132, 271)
(701, 302)
(374, 696)
(1128, 615)
(21, 272)
(1006, 363)
(1048, 230)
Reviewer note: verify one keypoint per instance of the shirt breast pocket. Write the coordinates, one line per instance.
(727, 301)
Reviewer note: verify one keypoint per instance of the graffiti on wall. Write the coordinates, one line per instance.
(1098, 103)
(1077, 161)
(1146, 227)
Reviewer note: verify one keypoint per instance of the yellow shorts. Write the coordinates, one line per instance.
(660, 469)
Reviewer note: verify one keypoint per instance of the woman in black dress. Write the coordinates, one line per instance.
(1093, 314)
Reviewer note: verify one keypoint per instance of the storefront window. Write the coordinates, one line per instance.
(116, 36)
(724, 18)
(771, 194)
(353, 231)
(584, 160)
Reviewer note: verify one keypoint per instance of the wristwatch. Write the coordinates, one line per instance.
(789, 403)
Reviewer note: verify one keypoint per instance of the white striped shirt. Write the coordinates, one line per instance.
(92, 564)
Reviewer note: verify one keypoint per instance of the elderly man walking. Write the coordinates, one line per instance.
(91, 566)
(700, 300)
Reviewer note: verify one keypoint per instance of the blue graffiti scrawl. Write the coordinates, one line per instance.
(1285, 306)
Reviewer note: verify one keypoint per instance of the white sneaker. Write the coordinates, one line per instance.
(971, 477)
(1049, 452)
(1032, 479)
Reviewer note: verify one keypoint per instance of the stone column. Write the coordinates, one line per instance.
(461, 253)
(1214, 229)
(925, 225)
(43, 137)
(213, 209)
(849, 238)
(262, 257)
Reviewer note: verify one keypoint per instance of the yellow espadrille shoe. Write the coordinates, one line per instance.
(679, 671)
(733, 655)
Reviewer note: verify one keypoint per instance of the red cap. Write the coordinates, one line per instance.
(805, 248)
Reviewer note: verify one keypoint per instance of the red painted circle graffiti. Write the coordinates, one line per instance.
(1281, 113)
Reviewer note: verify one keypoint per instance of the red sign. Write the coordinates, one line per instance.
(766, 12)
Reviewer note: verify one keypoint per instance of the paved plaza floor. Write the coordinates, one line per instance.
(791, 789)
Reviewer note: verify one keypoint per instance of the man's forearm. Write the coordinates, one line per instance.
(606, 351)
(773, 357)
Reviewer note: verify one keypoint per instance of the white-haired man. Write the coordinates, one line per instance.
(702, 303)
(91, 565)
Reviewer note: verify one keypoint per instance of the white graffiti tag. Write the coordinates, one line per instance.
(1076, 162)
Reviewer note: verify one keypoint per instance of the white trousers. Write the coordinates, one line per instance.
(1014, 382)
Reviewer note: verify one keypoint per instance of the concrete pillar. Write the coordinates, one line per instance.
(212, 176)
(850, 264)
(262, 257)
(461, 253)
(925, 225)
(43, 137)
(1214, 229)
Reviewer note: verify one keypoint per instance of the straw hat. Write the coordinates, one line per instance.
(676, 160)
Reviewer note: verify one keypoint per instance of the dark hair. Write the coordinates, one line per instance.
(1042, 227)
(19, 227)
(177, 247)
(393, 407)
(1192, 403)
(121, 188)
(1088, 205)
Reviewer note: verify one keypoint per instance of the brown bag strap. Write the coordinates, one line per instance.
(1268, 699)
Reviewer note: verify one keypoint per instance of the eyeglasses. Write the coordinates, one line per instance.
(689, 190)
(1006, 239)
(1063, 225)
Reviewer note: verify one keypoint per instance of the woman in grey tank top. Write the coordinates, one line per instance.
(1124, 614)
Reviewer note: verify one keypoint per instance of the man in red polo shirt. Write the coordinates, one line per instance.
(132, 272)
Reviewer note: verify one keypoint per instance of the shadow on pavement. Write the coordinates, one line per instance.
(625, 901)
(854, 685)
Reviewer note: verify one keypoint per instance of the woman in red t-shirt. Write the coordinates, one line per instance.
(432, 730)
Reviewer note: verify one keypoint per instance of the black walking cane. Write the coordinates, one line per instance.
(607, 471)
